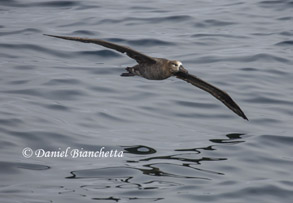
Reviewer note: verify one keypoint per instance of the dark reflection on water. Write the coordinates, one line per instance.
(129, 199)
(143, 178)
(58, 94)
(232, 139)
(161, 165)
(140, 150)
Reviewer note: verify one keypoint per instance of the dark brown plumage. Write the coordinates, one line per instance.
(159, 69)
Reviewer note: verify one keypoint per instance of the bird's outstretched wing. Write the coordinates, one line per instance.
(216, 92)
(139, 57)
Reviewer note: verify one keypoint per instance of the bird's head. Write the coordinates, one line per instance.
(176, 66)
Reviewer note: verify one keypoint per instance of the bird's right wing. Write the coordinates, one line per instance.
(216, 92)
(139, 57)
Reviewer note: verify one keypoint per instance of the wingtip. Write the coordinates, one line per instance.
(50, 35)
(242, 115)
(60, 37)
(236, 109)
(245, 118)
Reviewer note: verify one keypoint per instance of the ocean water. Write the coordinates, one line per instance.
(176, 142)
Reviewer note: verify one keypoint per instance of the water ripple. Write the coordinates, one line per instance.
(63, 81)
(110, 117)
(156, 20)
(34, 48)
(57, 107)
(14, 3)
(196, 104)
(285, 43)
(202, 35)
(277, 5)
(213, 23)
(23, 31)
(113, 172)
(11, 122)
(250, 58)
(12, 167)
(65, 94)
(265, 99)
(84, 32)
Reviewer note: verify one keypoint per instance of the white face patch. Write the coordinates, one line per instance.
(178, 65)
(175, 66)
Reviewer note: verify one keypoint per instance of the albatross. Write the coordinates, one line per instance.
(159, 69)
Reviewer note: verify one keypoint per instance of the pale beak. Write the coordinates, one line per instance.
(183, 70)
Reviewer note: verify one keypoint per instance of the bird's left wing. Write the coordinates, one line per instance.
(216, 92)
(139, 57)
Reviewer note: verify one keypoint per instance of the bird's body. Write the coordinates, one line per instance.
(159, 69)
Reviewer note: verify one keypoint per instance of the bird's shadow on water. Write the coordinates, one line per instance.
(184, 163)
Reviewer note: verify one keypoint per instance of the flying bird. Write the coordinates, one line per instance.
(159, 69)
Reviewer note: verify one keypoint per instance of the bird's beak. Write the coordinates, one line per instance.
(182, 69)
